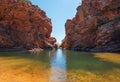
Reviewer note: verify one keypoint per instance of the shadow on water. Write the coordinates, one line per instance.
(59, 62)
(41, 56)
(55, 60)
(29, 60)
(60, 59)
(88, 61)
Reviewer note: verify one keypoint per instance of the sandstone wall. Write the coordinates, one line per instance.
(23, 25)
(96, 27)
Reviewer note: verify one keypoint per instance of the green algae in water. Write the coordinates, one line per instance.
(59, 66)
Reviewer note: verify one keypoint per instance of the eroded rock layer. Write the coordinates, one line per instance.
(96, 27)
(23, 25)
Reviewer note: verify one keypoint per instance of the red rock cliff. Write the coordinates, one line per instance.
(23, 25)
(96, 27)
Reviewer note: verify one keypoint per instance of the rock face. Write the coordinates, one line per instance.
(23, 25)
(96, 27)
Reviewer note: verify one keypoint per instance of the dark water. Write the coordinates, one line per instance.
(59, 66)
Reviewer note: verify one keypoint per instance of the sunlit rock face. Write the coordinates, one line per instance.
(96, 27)
(23, 25)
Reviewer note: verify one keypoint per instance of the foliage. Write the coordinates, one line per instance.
(24, 1)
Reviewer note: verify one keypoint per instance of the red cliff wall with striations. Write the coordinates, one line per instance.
(96, 27)
(23, 25)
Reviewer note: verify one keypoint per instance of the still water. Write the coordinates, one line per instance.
(59, 66)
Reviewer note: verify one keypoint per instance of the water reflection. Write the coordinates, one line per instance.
(58, 66)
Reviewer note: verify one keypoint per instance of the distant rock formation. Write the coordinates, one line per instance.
(96, 27)
(23, 25)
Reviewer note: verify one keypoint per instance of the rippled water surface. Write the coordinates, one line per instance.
(59, 66)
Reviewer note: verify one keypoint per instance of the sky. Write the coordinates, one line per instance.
(58, 11)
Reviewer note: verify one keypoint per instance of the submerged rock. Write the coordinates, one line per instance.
(34, 50)
(96, 27)
(24, 25)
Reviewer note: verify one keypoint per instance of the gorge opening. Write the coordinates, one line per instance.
(58, 11)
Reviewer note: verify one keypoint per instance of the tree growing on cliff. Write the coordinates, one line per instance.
(23, 1)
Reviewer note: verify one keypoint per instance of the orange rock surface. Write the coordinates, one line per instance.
(23, 25)
(96, 27)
